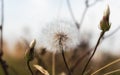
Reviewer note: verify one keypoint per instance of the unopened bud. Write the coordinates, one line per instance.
(107, 11)
(29, 54)
(32, 44)
(104, 23)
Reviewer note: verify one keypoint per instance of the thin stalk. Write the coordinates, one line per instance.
(101, 35)
(70, 10)
(83, 16)
(2, 62)
(66, 62)
(111, 63)
(111, 72)
(53, 64)
(4, 66)
(63, 55)
(28, 65)
(72, 14)
(2, 23)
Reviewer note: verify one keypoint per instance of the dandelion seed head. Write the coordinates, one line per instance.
(62, 31)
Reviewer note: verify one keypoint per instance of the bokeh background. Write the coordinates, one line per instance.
(24, 19)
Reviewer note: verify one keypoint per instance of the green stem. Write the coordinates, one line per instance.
(101, 35)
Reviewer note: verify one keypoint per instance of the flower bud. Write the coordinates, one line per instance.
(107, 11)
(104, 23)
(32, 44)
(29, 54)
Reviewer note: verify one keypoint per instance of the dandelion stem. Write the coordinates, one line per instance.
(28, 64)
(111, 63)
(101, 35)
(66, 62)
(53, 64)
(63, 55)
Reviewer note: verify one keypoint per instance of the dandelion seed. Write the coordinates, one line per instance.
(52, 33)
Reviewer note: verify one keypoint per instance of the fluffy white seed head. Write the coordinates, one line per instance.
(62, 31)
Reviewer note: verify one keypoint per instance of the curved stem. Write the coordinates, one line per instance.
(101, 35)
(28, 64)
(111, 63)
(111, 72)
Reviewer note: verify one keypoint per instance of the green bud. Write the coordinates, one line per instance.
(104, 23)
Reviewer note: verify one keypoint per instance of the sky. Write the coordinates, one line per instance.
(22, 16)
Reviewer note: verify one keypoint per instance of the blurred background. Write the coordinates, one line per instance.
(24, 19)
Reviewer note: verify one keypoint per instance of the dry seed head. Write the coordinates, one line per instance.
(60, 31)
(61, 37)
